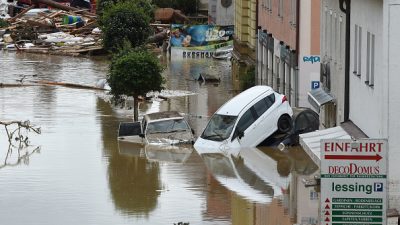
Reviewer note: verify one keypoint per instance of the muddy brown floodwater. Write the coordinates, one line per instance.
(76, 172)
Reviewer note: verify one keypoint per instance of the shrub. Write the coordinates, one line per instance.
(125, 21)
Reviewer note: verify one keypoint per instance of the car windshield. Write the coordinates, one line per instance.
(219, 128)
(167, 126)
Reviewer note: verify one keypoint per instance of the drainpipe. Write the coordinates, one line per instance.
(256, 75)
(297, 50)
(272, 60)
(347, 58)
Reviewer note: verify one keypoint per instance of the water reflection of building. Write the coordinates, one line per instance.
(266, 185)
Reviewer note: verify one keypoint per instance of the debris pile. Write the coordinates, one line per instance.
(62, 30)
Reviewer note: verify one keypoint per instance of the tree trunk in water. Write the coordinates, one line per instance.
(135, 108)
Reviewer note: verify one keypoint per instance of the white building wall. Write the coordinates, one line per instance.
(375, 109)
(308, 70)
(391, 93)
(220, 15)
(333, 23)
(366, 98)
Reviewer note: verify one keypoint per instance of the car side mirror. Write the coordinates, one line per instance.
(141, 135)
(240, 134)
(192, 130)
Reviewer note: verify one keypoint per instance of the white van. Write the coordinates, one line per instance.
(247, 119)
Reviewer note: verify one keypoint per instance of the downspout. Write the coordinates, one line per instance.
(296, 53)
(258, 28)
(347, 58)
(257, 74)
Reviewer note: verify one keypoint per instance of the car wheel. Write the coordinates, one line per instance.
(284, 124)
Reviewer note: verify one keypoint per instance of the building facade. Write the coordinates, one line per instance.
(374, 79)
(330, 99)
(221, 12)
(243, 55)
(276, 53)
(373, 53)
(288, 47)
(308, 50)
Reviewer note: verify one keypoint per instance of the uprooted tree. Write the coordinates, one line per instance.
(14, 130)
(134, 73)
(18, 139)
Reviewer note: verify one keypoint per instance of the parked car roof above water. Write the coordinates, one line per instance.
(163, 115)
(235, 105)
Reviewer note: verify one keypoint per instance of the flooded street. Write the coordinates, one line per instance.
(76, 171)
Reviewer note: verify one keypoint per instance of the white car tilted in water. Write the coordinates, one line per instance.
(247, 119)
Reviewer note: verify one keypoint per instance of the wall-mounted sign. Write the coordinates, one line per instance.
(199, 40)
(315, 84)
(353, 181)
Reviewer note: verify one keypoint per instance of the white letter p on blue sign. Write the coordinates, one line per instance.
(315, 84)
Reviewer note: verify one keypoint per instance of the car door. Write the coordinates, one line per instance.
(243, 133)
(264, 126)
(130, 131)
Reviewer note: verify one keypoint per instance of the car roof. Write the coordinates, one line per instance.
(235, 105)
(162, 115)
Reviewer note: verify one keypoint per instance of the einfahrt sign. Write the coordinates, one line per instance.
(353, 181)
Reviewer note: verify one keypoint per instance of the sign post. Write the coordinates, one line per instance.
(353, 181)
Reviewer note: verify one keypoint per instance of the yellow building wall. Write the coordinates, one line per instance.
(245, 39)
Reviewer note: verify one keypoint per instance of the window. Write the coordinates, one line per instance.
(359, 51)
(270, 100)
(340, 39)
(244, 122)
(372, 62)
(269, 5)
(326, 31)
(355, 53)
(330, 35)
(368, 58)
(294, 12)
(260, 107)
(280, 8)
(219, 127)
(370, 67)
(335, 37)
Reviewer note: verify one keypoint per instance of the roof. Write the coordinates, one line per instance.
(163, 115)
(311, 142)
(236, 104)
(319, 97)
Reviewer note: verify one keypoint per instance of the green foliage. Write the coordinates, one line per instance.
(125, 21)
(134, 73)
(248, 79)
(3, 23)
(187, 7)
(104, 4)
(146, 5)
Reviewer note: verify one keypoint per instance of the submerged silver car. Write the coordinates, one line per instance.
(167, 127)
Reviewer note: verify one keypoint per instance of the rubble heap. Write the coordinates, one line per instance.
(62, 30)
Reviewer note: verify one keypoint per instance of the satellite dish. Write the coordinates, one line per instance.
(226, 3)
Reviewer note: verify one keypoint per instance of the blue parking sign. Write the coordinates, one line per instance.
(315, 84)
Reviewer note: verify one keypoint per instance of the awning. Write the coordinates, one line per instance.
(311, 142)
(319, 97)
